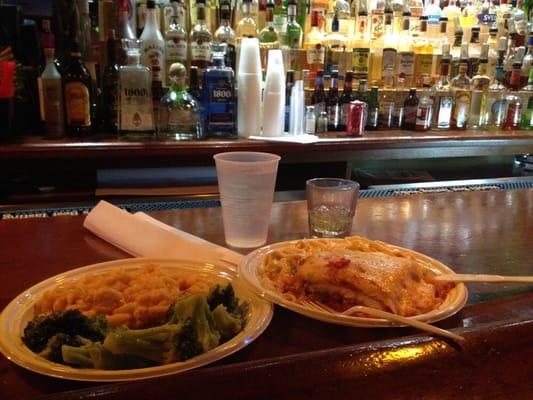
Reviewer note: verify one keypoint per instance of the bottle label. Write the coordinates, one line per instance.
(387, 113)
(409, 115)
(389, 60)
(445, 111)
(153, 56)
(53, 106)
(423, 66)
(316, 55)
(176, 50)
(78, 104)
(334, 115)
(361, 61)
(136, 109)
(514, 115)
(373, 117)
(497, 110)
(461, 109)
(280, 23)
(377, 23)
(406, 65)
(423, 116)
(201, 51)
(485, 18)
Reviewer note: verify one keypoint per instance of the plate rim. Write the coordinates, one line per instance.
(26, 359)
(460, 291)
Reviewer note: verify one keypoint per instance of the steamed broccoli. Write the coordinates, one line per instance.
(222, 295)
(95, 355)
(227, 324)
(71, 322)
(52, 351)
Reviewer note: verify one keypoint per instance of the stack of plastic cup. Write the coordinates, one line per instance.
(249, 77)
(246, 182)
(274, 96)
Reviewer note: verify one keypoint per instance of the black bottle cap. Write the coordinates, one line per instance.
(150, 4)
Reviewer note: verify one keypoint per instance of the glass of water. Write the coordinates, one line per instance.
(331, 206)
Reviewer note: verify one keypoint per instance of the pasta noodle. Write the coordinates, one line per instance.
(135, 298)
(354, 271)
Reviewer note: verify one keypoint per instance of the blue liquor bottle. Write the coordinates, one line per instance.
(218, 96)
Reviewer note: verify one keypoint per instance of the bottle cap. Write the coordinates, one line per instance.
(502, 44)
(150, 4)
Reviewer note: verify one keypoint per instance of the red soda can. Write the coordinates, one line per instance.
(356, 120)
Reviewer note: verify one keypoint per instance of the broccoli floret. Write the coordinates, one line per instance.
(187, 344)
(71, 322)
(222, 295)
(154, 344)
(196, 309)
(95, 355)
(227, 324)
(52, 351)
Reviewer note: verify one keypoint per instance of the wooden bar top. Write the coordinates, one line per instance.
(101, 146)
(300, 358)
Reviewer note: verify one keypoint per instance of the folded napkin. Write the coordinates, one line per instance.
(143, 236)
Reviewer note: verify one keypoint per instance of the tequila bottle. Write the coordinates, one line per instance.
(219, 96)
(175, 40)
(496, 108)
(463, 97)
(443, 97)
(226, 34)
(200, 40)
(135, 112)
(179, 113)
(480, 87)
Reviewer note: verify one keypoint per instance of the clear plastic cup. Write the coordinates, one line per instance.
(331, 206)
(246, 182)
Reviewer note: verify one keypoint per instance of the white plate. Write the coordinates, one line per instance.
(250, 271)
(16, 315)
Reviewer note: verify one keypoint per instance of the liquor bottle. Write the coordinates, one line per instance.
(423, 54)
(469, 17)
(443, 95)
(387, 108)
(125, 30)
(361, 48)
(289, 83)
(79, 109)
(515, 107)
(513, 59)
(410, 107)
(361, 93)
(333, 104)
(247, 26)
(226, 34)
(416, 8)
(493, 51)
(346, 98)
(219, 96)
(474, 51)
(135, 111)
(372, 121)
(463, 97)
(527, 62)
(153, 52)
(527, 95)
(456, 51)
(487, 19)
(175, 8)
(52, 97)
(314, 45)
(439, 42)
(280, 18)
(434, 13)
(268, 37)
(175, 40)
(110, 84)
(336, 44)
(179, 113)
(200, 40)
(389, 54)
(318, 98)
(424, 112)
(453, 13)
(194, 84)
(377, 20)
(496, 108)
(405, 63)
(294, 34)
(480, 87)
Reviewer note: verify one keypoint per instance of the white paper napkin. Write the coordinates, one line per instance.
(143, 236)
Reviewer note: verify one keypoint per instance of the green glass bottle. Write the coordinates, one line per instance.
(294, 30)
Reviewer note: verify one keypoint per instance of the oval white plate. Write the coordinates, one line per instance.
(16, 315)
(250, 271)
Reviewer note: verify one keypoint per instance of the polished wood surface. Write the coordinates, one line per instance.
(296, 357)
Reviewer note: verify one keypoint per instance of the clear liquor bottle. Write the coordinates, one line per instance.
(175, 40)
(496, 108)
(443, 97)
(268, 37)
(179, 113)
(200, 39)
(314, 45)
(153, 50)
(424, 112)
(135, 112)
(246, 27)
(219, 97)
(462, 97)
(226, 34)
(480, 87)
(515, 107)
(52, 96)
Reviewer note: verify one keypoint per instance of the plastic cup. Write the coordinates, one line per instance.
(246, 182)
(331, 206)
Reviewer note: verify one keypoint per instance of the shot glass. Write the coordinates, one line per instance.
(246, 182)
(331, 206)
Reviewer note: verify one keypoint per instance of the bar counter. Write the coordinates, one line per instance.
(300, 358)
